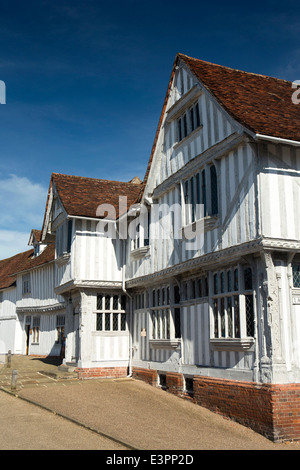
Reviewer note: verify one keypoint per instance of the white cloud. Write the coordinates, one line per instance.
(22, 205)
(12, 242)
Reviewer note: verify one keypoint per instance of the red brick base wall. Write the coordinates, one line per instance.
(99, 372)
(147, 375)
(174, 383)
(271, 410)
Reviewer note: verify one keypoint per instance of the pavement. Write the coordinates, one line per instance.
(114, 414)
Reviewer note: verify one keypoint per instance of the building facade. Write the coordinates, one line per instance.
(189, 280)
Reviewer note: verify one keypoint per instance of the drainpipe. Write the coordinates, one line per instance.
(130, 308)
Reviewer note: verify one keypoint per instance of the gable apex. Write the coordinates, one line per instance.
(260, 103)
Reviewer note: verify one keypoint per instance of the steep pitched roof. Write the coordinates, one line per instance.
(10, 267)
(262, 104)
(81, 196)
(35, 235)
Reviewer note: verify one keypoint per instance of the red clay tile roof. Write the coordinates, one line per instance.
(22, 262)
(10, 266)
(262, 104)
(81, 196)
(37, 234)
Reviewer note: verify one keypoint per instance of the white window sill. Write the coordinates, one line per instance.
(63, 259)
(203, 225)
(189, 136)
(231, 344)
(111, 333)
(140, 252)
(164, 343)
(183, 103)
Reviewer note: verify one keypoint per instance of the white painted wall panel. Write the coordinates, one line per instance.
(280, 191)
(97, 257)
(42, 288)
(110, 347)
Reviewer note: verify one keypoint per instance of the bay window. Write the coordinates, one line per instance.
(111, 313)
(232, 303)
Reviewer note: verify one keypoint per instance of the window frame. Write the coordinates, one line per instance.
(60, 328)
(188, 122)
(296, 274)
(140, 242)
(26, 284)
(164, 317)
(233, 317)
(108, 319)
(197, 193)
(35, 329)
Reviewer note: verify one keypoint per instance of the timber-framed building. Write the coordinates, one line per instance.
(189, 279)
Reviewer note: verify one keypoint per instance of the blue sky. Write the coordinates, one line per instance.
(85, 84)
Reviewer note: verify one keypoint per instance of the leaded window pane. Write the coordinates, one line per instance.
(248, 278)
(176, 295)
(115, 322)
(115, 302)
(216, 326)
(214, 190)
(249, 315)
(222, 282)
(177, 323)
(99, 302)
(236, 280)
(215, 284)
(123, 302)
(107, 322)
(229, 281)
(229, 317)
(222, 318)
(99, 326)
(107, 302)
(123, 322)
(296, 275)
(237, 317)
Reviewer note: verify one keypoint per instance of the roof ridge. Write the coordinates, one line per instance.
(92, 178)
(232, 68)
(17, 254)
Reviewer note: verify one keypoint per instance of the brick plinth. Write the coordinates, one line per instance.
(272, 410)
(174, 383)
(104, 372)
(147, 375)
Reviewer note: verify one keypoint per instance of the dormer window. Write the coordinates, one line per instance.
(36, 249)
(64, 238)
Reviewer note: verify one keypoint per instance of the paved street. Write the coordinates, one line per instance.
(27, 427)
(129, 411)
